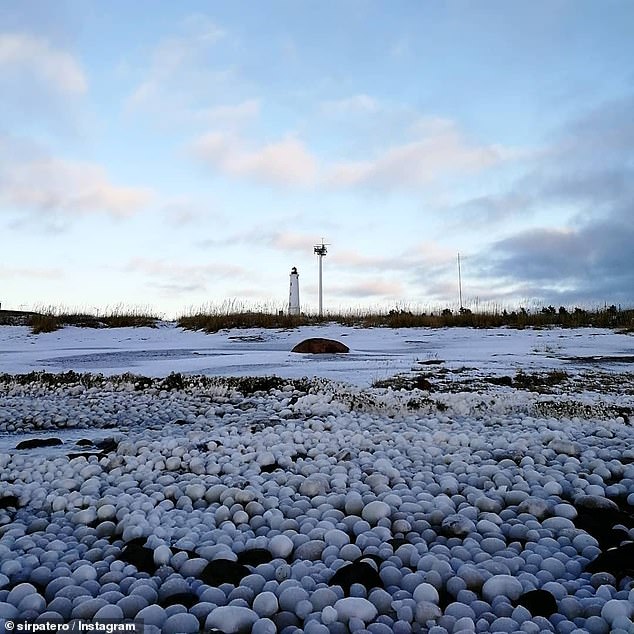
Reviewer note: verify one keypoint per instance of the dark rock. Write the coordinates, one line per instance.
(618, 561)
(422, 383)
(538, 603)
(254, 557)
(180, 598)
(444, 598)
(7, 501)
(173, 382)
(269, 468)
(317, 345)
(107, 445)
(140, 557)
(32, 443)
(356, 572)
(602, 523)
(397, 542)
(506, 381)
(84, 442)
(221, 571)
(285, 619)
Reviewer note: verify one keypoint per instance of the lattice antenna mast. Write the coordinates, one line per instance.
(321, 250)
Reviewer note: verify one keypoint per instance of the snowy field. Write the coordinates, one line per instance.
(375, 353)
(484, 484)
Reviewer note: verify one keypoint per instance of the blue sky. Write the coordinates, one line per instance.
(172, 155)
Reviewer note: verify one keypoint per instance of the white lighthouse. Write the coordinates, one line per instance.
(293, 294)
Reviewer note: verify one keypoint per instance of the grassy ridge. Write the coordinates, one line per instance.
(213, 321)
(52, 319)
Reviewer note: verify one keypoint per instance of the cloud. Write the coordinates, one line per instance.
(10, 272)
(592, 263)
(426, 254)
(540, 255)
(588, 171)
(368, 289)
(292, 241)
(439, 149)
(185, 211)
(181, 277)
(355, 104)
(283, 162)
(47, 184)
(177, 65)
(26, 56)
(230, 114)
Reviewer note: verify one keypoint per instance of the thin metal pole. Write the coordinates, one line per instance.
(459, 282)
(320, 289)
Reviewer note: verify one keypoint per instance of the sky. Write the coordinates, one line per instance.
(172, 156)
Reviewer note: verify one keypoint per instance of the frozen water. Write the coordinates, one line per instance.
(374, 353)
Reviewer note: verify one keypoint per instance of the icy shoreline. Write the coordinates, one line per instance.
(209, 508)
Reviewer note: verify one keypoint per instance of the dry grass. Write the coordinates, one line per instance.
(214, 319)
(51, 319)
(234, 314)
(215, 322)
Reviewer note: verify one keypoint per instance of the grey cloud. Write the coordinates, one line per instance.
(178, 289)
(376, 288)
(595, 263)
(590, 171)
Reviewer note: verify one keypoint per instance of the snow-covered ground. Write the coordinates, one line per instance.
(374, 353)
(494, 494)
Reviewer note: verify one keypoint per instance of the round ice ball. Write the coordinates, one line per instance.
(504, 585)
(280, 546)
(231, 619)
(615, 608)
(374, 511)
(265, 604)
(355, 607)
(182, 623)
(425, 592)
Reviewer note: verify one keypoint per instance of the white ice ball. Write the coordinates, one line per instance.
(280, 546)
(265, 604)
(504, 585)
(425, 592)
(231, 619)
(355, 607)
(615, 608)
(374, 511)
